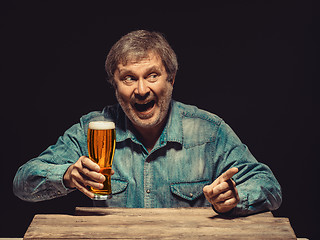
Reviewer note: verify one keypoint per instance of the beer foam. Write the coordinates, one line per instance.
(101, 125)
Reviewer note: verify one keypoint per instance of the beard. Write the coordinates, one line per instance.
(159, 107)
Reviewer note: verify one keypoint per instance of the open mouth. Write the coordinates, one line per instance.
(144, 107)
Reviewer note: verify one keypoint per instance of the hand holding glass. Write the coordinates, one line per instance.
(101, 145)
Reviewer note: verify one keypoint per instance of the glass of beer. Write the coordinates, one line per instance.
(101, 145)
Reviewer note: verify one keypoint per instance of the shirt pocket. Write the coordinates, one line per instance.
(118, 185)
(119, 193)
(190, 191)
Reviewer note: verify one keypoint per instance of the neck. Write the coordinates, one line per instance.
(149, 136)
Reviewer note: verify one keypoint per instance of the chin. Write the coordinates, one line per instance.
(147, 120)
(144, 123)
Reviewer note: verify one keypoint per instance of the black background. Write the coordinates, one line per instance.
(252, 63)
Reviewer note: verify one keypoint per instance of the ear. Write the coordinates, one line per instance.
(173, 79)
(110, 80)
(114, 84)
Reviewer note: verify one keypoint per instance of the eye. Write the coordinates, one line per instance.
(128, 79)
(152, 77)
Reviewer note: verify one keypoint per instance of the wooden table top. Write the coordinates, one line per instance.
(156, 223)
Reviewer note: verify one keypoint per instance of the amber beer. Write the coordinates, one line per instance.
(101, 144)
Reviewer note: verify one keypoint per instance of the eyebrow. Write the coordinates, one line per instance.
(125, 71)
(153, 69)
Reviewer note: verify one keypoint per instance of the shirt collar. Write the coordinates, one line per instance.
(173, 127)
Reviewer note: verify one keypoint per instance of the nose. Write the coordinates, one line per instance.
(142, 89)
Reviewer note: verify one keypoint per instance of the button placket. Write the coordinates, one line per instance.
(147, 184)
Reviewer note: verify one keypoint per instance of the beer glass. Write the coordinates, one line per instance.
(101, 144)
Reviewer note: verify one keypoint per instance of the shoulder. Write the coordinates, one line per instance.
(194, 113)
(198, 126)
(109, 113)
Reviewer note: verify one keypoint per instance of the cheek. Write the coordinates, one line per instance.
(124, 93)
(158, 87)
(163, 91)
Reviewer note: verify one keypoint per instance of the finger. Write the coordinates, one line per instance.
(224, 176)
(81, 183)
(88, 163)
(224, 189)
(85, 181)
(231, 202)
(235, 191)
(84, 190)
(228, 174)
(212, 191)
(232, 186)
(207, 190)
(226, 205)
(91, 169)
(97, 177)
(220, 188)
(224, 196)
(93, 184)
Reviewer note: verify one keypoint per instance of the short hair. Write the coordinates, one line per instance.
(137, 45)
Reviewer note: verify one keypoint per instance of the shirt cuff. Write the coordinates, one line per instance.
(55, 177)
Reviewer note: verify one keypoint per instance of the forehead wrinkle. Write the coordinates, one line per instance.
(135, 57)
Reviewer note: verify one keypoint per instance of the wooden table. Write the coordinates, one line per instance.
(156, 223)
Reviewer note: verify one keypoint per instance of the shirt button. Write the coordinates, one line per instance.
(190, 194)
(148, 191)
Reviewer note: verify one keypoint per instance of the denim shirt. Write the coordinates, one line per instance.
(194, 148)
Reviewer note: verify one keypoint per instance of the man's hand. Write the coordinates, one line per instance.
(84, 173)
(222, 193)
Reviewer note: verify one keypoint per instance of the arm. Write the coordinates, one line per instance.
(256, 187)
(41, 178)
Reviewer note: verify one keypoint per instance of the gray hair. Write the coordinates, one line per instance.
(137, 45)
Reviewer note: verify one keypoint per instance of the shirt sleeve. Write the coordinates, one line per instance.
(41, 178)
(258, 188)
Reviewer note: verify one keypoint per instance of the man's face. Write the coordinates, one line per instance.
(143, 91)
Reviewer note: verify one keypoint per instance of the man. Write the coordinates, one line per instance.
(168, 154)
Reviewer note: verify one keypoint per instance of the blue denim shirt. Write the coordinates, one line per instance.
(194, 149)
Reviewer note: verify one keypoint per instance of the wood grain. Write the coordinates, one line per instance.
(159, 223)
